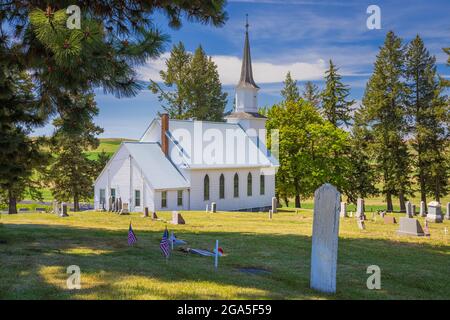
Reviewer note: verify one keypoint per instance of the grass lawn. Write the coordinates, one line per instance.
(36, 249)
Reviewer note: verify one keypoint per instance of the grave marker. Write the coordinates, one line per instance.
(213, 207)
(325, 239)
(154, 216)
(389, 220)
(447, 214)
(434, 212)
(177, 218)
(124, 210)
(422, 210)
(410, 227)
(360, 208)
(145, 215)
(274, 205)
(361, 224)
(408, 209)
(343, 213)
(63, 210)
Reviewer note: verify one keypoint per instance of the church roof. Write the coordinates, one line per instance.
(157, 168)
(245, 115)
(246, 80)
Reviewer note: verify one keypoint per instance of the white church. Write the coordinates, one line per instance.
(188, 164)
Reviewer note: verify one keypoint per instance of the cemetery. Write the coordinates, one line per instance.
(314, 253)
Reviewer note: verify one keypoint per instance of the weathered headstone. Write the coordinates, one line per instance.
(360, 208)
(382, 213)
(434, 212)
(56, 207)
(410, 227)
(154, 216)
(207, 208)
(447, 214)
(119, 205)
(325, 239)
(110, 204)
(422, 210)
(408, 206)
(63, 210)
(361, 224)
(270, 214)
(124, 209)
(145, 215)
(177, 218)
(343, 212)
(274, 205)
(213, 207)
(389, 220)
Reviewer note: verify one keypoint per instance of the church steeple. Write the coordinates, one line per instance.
(246, 79)
(246, 89)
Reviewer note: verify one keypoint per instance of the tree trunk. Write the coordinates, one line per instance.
(390, 207)
(12, 203)
(76, 203)
(297, 201)
(401, 198)
(286, 201)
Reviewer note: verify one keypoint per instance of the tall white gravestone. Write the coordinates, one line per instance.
(423, 210)
(434, 212)
(343, 212)
(408, 206)
(274, 205)
(325, 239)
(360, 208)
(447, 214)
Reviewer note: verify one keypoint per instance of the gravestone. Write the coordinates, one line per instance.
(408, 209)
(382, 213)
(274, 205)
(207, 208)
(360, 208)
(119, 205)
(389, 220)
(343, 213)
(413, 211)
(56, 207)
(325, 239)
(434, 212)
(145, 215)
(154, 216)
(361, 224)
(422, 210)
(110, 204)
(410, 227)
(124, 211)
(270, 214)
(213, 207)
(63, 210)
(177, 218)
(447, 214)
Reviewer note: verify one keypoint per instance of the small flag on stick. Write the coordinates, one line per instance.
(131, 236)
(164, 244)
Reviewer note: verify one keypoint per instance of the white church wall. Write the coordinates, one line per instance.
(172, 200)
(230, 202)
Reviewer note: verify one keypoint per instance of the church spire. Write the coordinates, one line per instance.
(246, 80)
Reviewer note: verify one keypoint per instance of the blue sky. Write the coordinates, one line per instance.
(300, 36)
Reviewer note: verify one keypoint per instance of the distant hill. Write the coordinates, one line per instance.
(108, 145)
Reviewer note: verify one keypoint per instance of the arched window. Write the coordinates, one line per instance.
(249, 184)
(262, 184)
(236, 185)
(206, 188)
(222, 187)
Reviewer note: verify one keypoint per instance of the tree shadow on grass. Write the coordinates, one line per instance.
(35, 258)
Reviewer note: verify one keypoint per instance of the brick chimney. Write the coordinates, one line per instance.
(164, 129)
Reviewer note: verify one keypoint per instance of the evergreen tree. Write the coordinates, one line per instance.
(290, 90)
(175, 76)
(198, 92)
(361, 176)
(311, 94)
(101, 161)
(19, 114)
(428, 109)
(71, 174)
(384, 110)
(335, 106)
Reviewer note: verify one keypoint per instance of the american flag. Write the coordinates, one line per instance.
(164, 245)
(131, 236)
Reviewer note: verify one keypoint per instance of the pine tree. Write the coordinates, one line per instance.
(175, 76)
(384, 110)
(335, 106)
(311, 94)
(428, 109)
(71, 174)
(290, 90)
(361, 177)
(198, 92)
(20, 155)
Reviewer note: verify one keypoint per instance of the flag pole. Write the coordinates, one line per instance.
(216, 257)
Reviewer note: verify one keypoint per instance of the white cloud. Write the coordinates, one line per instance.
(229, 68)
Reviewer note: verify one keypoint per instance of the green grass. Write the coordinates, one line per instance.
(36, 249)
(108, 145)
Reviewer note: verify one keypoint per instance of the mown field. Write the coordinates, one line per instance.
(36, 249)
